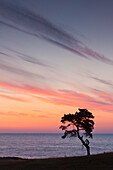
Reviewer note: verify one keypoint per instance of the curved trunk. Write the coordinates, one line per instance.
(83, 142)
(88, 150)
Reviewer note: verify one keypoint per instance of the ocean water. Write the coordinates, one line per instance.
(51, 145)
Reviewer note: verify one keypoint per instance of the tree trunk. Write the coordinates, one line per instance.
(88, 149)
(83, 142)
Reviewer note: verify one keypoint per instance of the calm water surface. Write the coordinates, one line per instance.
(50, 145)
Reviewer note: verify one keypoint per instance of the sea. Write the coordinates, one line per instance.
(51, 145)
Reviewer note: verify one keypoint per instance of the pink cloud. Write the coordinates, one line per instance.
(28, 89)
(12, 98)
(65, 97)
(104, 96)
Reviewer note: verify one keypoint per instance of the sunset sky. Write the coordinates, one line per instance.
(55, 56)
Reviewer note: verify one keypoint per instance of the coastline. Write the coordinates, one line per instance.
(102, 161)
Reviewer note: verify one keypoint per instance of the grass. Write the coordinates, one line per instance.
(94, 162)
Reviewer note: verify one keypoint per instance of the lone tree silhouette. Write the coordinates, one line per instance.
(80, 121)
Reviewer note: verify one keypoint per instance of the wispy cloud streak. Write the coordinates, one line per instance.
(26, 21)
(103, 95)
(24, 57)
(105, 82)
(4, 54)
(64, 97)
(12, 113)
(19, 71)
(12, 98)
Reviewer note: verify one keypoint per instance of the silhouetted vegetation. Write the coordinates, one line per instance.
(75, 124)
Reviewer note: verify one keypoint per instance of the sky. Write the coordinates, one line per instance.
(55, 56)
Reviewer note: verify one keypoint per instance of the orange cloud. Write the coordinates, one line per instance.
(12, 113)
(65, 97)
(13, 98)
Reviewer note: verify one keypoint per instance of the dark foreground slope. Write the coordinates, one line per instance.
(97, 162)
